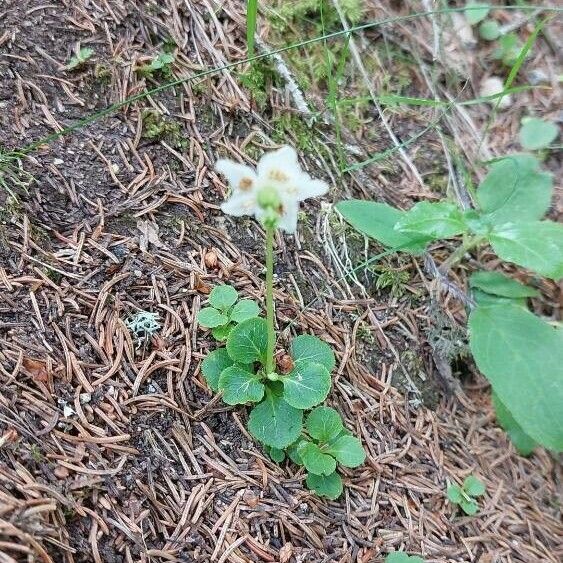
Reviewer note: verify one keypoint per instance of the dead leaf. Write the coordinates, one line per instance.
(285, 363)
(202, 287)
(36, 368)
(61, 472)
(286, 552)
(149, 234)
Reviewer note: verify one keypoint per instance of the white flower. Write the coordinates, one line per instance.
(278, 182)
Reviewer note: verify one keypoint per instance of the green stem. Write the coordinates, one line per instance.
(270, 230)
(459, 253)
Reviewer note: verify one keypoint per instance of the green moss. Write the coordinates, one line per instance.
(291, 125)
(157, 127)
(258, 79)
(393, 279)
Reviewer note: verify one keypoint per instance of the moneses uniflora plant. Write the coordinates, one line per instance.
(286, 417)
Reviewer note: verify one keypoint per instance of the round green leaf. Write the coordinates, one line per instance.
(212, 366)
(485, 299)
(248, 341)
(240, 386)
(454, 494)
(329, 486)
(306, 386)
(221, 333)
(310, 349)
(537, 133)
(489, 30)
(274, 422)
(293, 451)
(537, 245)
(515, 189)
(473, 486)
(315, 460)
(496, 283)
(243, 310)
(470, 507)
(210, 318)
(402, 557)
(348, 451)
(377, 220)
(277, 455)
(223, 296)
(522, 442)
(324, 424)
(434, 220)
(476, 12)
(521, 356)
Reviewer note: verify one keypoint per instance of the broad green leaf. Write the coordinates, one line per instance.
(243, 310)
(277, 455)
(537, 133)
(537, 245)
(515, 190)
(213, 364)
(433, 220)
(348, 451)
(223, 296)
(306, 385)
(210, 318)
(293, 451)
(476, 12)
(489, 30)
(248, 341)
(496, 283)
(470, 507)
(240, 386)
(307, 349)
(329, 486)
(473, 486)
(324, 424)
(522, 357)
(315, 460)
(522, 442)
(377, 220)
(221, 333)
(402, 557)
(274, 422)
(454, 494)
(486, 299)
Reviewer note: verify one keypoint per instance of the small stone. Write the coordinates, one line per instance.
(85, 398)
(61, 472)
(210, 259)
(68, 411)
(494, 85)
(58, 161)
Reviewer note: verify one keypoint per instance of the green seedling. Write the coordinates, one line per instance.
(82, 56)
(465, 496)
(508, 49)
(518, 352)
(226, 311)
(402, 557)
(161, 63)
(536, 134)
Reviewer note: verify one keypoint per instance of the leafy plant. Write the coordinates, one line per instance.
(508, 49)
(489, 30)
(465, 496)
(476, 12)
(537, 133)
(82, 56)
(161, 63)
(226, 311)
(519, 353)
(245, 371)
(402, 557)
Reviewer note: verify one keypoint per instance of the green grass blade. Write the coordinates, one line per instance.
(251, 19)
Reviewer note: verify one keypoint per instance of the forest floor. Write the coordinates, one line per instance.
(116, 451)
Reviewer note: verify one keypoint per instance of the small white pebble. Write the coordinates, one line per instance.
(58, 161)
(491, 86)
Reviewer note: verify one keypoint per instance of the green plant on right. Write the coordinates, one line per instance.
(225, 311)
(508, 49)
(162, 64)
(465, 496)
(402, 557)
(80, 57)
(519, 353)
(536, 134)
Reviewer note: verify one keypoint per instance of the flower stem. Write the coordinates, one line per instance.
(270, 230)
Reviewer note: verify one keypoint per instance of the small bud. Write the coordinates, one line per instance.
(211, 259)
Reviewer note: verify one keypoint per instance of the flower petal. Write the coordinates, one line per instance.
(282, 161)
(308, 187)
(240, 203)
(240, 177)
(288, 219)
